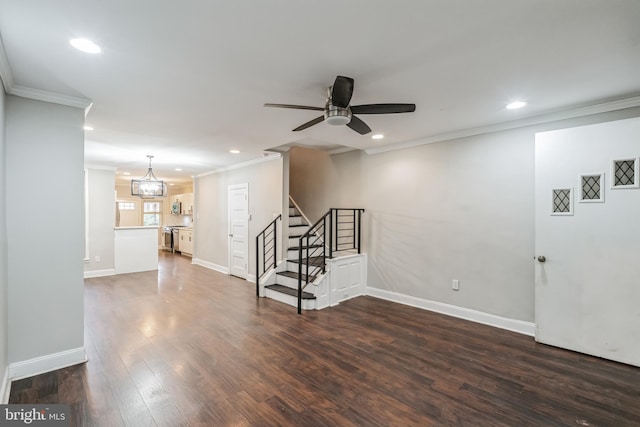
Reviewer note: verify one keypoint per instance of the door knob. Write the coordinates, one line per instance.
(230, 235)
(541, 258)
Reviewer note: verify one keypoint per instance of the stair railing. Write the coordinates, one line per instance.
(268, 249)
(337, 230)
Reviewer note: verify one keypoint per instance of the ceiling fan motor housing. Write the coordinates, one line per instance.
(336, 115)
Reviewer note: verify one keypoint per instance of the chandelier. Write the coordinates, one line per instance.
(148, 186)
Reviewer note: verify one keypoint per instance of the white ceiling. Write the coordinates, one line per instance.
(186, 81)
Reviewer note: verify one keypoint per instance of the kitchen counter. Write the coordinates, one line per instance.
(136, 249)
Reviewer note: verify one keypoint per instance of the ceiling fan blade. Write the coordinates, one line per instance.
(342, 91)
(359, 126)
(383, 108)
(310, 123)
(295, 107)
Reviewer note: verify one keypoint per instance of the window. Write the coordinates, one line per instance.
(151, 213)
(127, 206)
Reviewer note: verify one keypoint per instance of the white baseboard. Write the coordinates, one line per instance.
(251, 278)
(99, 273)
(210, 265)
(5, 387)
(519, 326)
(48, 363)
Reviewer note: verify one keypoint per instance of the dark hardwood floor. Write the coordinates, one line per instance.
(189, 346)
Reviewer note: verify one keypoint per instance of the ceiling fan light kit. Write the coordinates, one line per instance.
(338, 111)
(337, 116)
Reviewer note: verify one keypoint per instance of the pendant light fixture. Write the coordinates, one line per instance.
(148, 186)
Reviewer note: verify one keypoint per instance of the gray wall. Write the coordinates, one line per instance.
(101, 219)
(45, 232)
(460, 209)
(4, 320)
(212, 222)
(310, 173)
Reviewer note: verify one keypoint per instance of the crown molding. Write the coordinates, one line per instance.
(268, 158)
(55, 98)
(40, 95)
(571, 113)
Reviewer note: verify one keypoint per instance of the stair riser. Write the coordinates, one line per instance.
(291, 300)
(293, 211)
(293, 253)
(297, 220)
(293, 266)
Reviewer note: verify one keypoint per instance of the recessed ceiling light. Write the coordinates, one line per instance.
(178, 170)
(377, 136)
(85, 45)
(126, 173)
(515, 105)
(88, 128)
(234, 151)
(172, 183)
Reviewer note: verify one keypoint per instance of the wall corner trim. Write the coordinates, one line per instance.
(5, 387)
(99, 273)
(210, 265)
(48, 363)
(513, 325)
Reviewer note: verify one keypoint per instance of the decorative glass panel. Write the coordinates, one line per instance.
(625, 173)
(592, 187)
(562, 201)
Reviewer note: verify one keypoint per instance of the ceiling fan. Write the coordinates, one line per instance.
(337, 110)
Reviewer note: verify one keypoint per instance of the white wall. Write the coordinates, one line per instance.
(45, 231)
(212, 222)
(4, 320)
(101, 219)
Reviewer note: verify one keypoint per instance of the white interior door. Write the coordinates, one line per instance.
(239, 230)
(587, 293)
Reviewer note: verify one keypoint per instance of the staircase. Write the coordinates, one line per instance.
(285, 287)
(302, 279)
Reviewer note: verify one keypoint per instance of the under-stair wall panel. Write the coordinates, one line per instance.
(348, 277)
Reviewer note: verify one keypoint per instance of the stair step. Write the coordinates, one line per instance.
(293, 275)
(295, 215)
(295, 248)
(315, 261)
(289, 291)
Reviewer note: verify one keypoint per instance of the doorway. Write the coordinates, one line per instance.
(586, 239)
(239, 230)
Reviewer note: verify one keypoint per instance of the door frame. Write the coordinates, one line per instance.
(230, 189)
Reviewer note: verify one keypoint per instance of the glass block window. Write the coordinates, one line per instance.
(562, 201)
(625, 173)
(127, 206)
(592, 187)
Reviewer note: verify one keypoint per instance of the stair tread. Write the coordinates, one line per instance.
(315, 261)
(294, 275)
(296, 215)
(289, 291)
(298, 225)
(315, 245)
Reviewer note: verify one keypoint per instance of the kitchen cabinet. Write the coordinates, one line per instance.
(186, 241)
(187, 203)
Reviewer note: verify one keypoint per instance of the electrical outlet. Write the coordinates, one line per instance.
(455, 285)
(97, 258)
